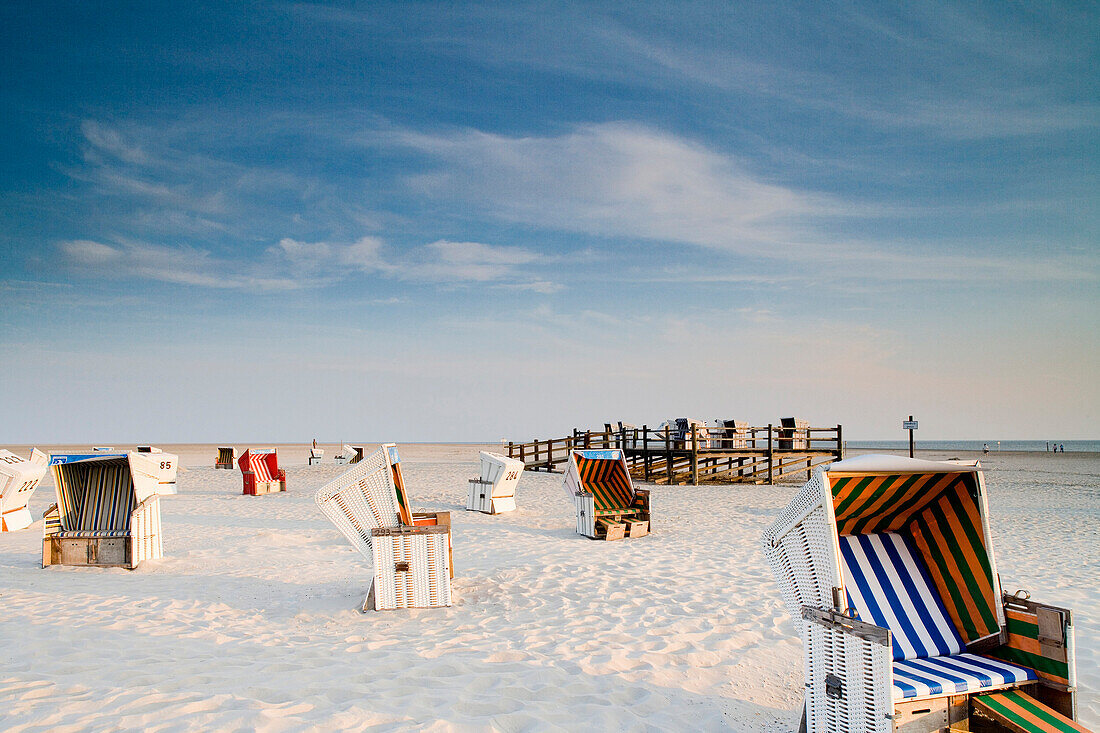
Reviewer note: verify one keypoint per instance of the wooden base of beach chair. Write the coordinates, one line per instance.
(259, 488)
(1017, 712)
(100, 552)
(608, 528)
(636, 527)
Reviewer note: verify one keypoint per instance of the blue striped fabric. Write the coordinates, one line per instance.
(888, 586)
(954, 675)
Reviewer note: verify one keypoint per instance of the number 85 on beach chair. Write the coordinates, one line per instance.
(887, 567)
(607, 504)
(410, 551)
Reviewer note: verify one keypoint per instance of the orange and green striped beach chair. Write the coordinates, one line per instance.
(887, 566)
(607, 504)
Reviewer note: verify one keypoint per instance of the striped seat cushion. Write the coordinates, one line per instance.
(889, 586)
(955, 675)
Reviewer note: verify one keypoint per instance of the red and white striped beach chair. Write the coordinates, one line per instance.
(261, 472)
(608, 506)
(886, 564)
(410, 551)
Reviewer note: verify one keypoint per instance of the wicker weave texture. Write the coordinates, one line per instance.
(411, 570)
(361, 499)
(862, 704)
(145, 536)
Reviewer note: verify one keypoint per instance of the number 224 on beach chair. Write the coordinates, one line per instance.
(887, 567)
(608, 506)
(411, 552)
(261, 472)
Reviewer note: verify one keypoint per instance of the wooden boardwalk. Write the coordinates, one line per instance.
(759, 455)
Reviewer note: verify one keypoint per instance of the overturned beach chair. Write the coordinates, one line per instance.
(108, 509)
(227, 457)
(349, 454)
(410, 552)
(607, 504)
(261, 472)
(315, 455)
(494, 491)
(886, 565)
(18, 480)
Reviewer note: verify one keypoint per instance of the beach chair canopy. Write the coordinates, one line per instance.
(18, 480)
(96, 492)
(264, 462)
(602, 473)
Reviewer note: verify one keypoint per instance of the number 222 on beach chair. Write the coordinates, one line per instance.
(608, 506)
(887, 567)
(411, 552)
(18, 480)
(261, 472)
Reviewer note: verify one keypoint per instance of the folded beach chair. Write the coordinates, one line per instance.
(608, 506)
(261, 472)
(349, 454)
(887, 567)
(108, 508)
(495, 490)
(410, 552)
(18, 480)
(315, 455)
(227, 457)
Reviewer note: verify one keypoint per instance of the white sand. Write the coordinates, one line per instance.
(250, 622)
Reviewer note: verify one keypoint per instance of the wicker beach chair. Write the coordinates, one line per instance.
(349, 454)
(227, 457)
(410, 551)
(261, 472)
(886, 565)
(108, 508)
(315, 455)
(608, 506)
(494, 491)
(18, 480)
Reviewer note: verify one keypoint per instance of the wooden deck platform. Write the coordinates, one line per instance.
(760, 455)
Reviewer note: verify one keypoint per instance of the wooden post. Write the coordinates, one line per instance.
(839, 443)
(694, 457)
(668, 454)
(522, 450)
(645, 451)
(587, 438)
(509, 449)
(911, 446)
(771, 455)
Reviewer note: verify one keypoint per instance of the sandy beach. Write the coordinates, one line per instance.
(251, 620)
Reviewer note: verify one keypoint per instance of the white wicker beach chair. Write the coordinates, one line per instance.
(349, 454)
(494, 491)
(886, 565)
(315, 455)
(18, 480)
(108, 508)
(607, 504)
(410, 552)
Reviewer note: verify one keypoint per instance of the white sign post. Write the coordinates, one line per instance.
(909, 425)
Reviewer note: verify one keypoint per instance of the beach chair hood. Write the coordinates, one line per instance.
(18, 480)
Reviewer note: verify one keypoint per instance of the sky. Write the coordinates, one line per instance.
(476, 221)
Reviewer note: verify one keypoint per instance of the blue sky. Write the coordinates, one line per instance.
(275, 222)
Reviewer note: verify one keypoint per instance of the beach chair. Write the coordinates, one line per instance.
(794, 434)
(108, 508)
(410, 551)
(349, 454)
(18, 480)
(731, 434)
(494, 491)
(315, 455)
(886, 565)
(607, 504)
(261, 472)
(227, 457)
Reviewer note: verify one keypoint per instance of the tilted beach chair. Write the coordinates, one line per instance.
(608, 506)
(261, 472)
(18, 480)
(227, 457)
(108, 508)
(494, 491)
(887, 567)
(410, 552)
(349, 454)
